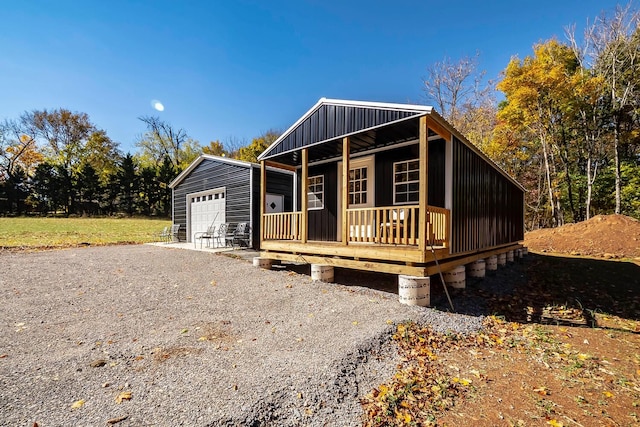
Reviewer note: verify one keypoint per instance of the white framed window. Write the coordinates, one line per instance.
(358, 186)
(315, 192)
(406, 182)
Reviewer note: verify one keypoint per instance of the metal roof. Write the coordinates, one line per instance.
(332, 119)
(369, 125)
(178, 179)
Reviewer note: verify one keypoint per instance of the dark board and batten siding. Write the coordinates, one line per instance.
(333, 121)
(208, 175)
(277, 183)
(384, 172)
(323, 223)
(488, 209)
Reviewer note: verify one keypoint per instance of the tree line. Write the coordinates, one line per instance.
(564, 121)
(567, 125)
(59, 162)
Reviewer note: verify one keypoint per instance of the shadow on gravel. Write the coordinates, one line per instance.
(343, 276)
(559, 290)
(540, 288)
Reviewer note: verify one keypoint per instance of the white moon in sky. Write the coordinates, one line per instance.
(157, 105)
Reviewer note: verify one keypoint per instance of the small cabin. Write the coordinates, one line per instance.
(387, 187)
(214, 190)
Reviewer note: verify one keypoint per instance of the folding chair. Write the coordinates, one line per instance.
(222, 234)
(241, 235)
(175, 229)
(209, 235)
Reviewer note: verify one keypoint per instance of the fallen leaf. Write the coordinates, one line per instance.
(77, 404)
(184, 331)
(213, 283)
(542, 391)
(125, 395)
(607, 394)
(117, 420)
(98, 363)
(555, 423)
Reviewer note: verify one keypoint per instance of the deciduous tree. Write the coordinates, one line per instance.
(163, 140)
(251, 152)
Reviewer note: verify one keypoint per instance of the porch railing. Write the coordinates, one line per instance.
(282, 226)
(397, 225)
(392, 225)
(386, 225)
(438, 223)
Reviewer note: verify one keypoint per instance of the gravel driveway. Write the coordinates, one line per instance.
(198, 339)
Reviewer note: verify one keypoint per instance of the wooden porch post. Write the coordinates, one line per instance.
(304, 196)
(423, 150)
(346, 143)
(263, 197)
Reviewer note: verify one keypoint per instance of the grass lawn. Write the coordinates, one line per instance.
(34, 233)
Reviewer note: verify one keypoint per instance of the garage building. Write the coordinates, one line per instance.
(216, 190)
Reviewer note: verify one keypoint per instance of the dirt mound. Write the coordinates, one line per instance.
(607, 236)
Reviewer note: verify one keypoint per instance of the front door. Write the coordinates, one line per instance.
(361, 193)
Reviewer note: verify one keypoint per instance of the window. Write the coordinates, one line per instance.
(406, 182)
(358, 186)
(315, 192)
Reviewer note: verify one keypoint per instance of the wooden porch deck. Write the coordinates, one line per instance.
(397, 259)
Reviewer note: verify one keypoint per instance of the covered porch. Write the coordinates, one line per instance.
(344, 182)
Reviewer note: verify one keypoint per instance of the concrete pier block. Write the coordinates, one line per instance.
(476, 268)
(261, 262)
(322, 273)
(502, 259)
(492, 263)
(414, 290)
(455, 278)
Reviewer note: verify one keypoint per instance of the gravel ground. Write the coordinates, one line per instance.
(198, 339)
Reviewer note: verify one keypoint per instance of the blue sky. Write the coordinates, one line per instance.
(234, 69)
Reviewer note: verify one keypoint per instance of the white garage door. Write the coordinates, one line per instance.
(206, 209)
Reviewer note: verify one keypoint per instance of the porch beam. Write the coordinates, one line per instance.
(423, 155)
(381, 267)
(280, 165)
(304, 196)
(438, 128)
(346, 148)
(263, 197)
